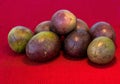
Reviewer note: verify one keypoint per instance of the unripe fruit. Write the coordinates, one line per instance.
(101, 50)
(18, 37)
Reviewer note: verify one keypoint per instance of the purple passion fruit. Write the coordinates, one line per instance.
(43, 46)
(102, 29)
(76, 43)
(43, 26)
(81, 25)
(63, 22)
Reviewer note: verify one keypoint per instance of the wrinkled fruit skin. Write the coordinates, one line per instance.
(81, 25)
(43, 26)
(101, 50)
(18, 37)
(43, 46)
(63, 22)
(102, 29)
(76, 44)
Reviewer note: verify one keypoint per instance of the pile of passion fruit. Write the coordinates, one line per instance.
(68, 33)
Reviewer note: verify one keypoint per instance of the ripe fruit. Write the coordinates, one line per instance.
(43, 26)
(63, 22)
(76, 43)
(43, 46)
(18, 37)
(102, 29)
(101, 50)
(81, 25)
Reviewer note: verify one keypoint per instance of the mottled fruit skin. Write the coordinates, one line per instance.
(101, 50)
(102, 29)
(43, 46)
(81, 25)
(43, 26)
(76, 43)
(18, 37)
(63, 22)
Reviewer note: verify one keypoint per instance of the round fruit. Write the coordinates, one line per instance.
(81, 25)
(63, 22)
(76, 43)
(101, 50)
(43, 46)
(43, 26)
(18, 37)
(102, 29)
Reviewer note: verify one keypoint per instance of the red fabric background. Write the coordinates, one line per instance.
(16, 69)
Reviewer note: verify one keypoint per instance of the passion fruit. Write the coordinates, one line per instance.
(76, 43)
(81, 25)
(43, 46)
(18, 37)
(43, 26)
(101, 50)
(63, 22)
(102, 29)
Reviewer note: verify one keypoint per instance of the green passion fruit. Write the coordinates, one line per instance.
(18, 37)
(101, 50)
(63, 22)
(43, 46)
(76, 43)
(43, 26)
(102, 29)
